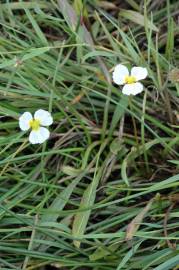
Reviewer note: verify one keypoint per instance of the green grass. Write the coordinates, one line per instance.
(96, 195)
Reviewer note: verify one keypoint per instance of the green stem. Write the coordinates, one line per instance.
(134, 126)
(143, 133)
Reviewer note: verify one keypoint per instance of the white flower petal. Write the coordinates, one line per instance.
(139, 73)
(24, 121)
(39, 136)
(44, 117)
(119, 74)
(132, 89)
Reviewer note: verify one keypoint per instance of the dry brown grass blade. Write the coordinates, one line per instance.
(69, 14)
(135, 223)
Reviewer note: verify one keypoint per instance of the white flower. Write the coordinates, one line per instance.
(131, 86)
(39, 134)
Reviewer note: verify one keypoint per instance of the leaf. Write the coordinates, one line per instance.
(35, 52)
(87, 201)
(30, 54)
(169, 264)
(132, 155)
(170, 39)
(68, 13)
(98, 53)
(127, 42)
(128, 256)
(58, 204)
(80, 9)
(72, 20)
(52, 213)
(36, 27)
(102, 252)
(124, 172)
(118, 113)
(8, 63)
(81, 218)
(106, 5)
(70, 171)
(116, 146)
(137, 18)
(78, 6)
(135, 223)
(56, 225)
(22, 5)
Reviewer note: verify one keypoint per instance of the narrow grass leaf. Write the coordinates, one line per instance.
(137, 18)
(135, 223)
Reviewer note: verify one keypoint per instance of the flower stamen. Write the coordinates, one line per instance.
(34, 124)
(130, 79)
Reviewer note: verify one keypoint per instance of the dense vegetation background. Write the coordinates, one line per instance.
(103, 192)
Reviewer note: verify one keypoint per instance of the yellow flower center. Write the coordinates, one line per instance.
(130, 79)
(34, 124)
